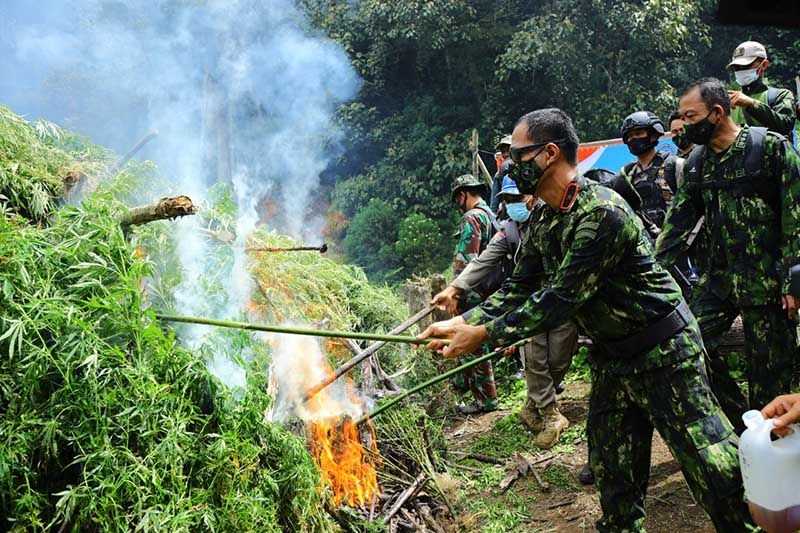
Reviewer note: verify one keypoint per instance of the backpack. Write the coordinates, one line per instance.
(749, 183)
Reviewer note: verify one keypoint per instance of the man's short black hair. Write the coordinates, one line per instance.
(552, 124)
(675, 115)
(712, 92)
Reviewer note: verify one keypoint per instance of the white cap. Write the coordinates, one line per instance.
(746, 53)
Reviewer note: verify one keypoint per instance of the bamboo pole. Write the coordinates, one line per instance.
(365, 353)
(408, 339)
(434, 380)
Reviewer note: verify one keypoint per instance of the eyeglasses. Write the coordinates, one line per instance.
(517, 153)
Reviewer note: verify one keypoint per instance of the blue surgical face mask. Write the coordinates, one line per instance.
(518, 211)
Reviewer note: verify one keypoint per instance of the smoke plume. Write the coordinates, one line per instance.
(242, 92)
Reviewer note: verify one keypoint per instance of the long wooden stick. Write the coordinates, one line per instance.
(436, 379)
(364, 354)
(407, 339)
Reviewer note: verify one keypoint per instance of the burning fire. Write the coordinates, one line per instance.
(334, 439)
(337, 450)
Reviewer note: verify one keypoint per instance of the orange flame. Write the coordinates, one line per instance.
(344, 464)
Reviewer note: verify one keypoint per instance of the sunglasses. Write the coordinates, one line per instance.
(517, 153)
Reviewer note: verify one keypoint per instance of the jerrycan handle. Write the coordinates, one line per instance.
(762, 427)
(757, 424)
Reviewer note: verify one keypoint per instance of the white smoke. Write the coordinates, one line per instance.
(241, 91)
(298, 363)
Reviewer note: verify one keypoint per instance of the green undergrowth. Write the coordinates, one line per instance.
(35, 161)
(106, 422)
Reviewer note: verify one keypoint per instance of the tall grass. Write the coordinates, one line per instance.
(106, 423)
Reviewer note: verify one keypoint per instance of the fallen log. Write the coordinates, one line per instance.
(165, 208)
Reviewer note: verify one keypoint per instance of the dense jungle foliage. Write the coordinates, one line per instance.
(432, 71)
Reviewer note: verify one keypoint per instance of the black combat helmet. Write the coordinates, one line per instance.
(641, 120)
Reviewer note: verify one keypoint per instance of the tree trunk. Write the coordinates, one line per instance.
(177, 206)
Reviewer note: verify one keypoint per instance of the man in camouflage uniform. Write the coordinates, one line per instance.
(745, 181)
(474, 233)
(587, 257)
(548, 355)
(758, 104)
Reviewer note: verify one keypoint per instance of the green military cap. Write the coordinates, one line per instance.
(464, 181)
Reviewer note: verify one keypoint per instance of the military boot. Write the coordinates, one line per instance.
(530, 417)
(554, 424)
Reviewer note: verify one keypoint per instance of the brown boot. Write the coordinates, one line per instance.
(530, 417)
(554, 424)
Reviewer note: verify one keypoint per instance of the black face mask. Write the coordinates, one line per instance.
(641, 145)
(700, 132)
(681, 141)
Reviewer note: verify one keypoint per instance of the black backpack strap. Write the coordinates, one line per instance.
(669, 164)
(693, 171)
(772, 96)
(754, 151)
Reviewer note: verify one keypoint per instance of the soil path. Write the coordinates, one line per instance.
(567, 505)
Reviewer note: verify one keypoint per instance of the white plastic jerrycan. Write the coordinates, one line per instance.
(771, 474)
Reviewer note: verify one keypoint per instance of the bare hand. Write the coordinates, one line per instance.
(447, 300)
(739, 99)
(785, 410)
(789, 303)
(463, 338)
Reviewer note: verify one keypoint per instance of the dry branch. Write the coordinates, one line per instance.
(113, 169)
(410, 492)
(177, 206)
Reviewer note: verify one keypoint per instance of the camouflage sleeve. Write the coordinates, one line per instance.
(780, 117)
(789, 170)
(466, 249)
(600, 240)
(484, 264)
(681, 219)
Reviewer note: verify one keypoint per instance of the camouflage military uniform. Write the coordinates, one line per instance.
(779, 117)
(595, 264)
(751, 248)
(474, 235)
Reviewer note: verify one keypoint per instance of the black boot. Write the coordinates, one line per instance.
(586, 476)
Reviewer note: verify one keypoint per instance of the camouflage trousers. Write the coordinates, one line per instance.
(480, 381)
(678, 402)
(770, 357)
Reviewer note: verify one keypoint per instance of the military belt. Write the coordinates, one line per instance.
(651, 336)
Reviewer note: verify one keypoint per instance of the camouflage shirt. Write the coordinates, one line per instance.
(474, 234)
(751, 247)
(593, 264)
(779, 117)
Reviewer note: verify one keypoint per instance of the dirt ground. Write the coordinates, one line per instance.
(566, 505)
